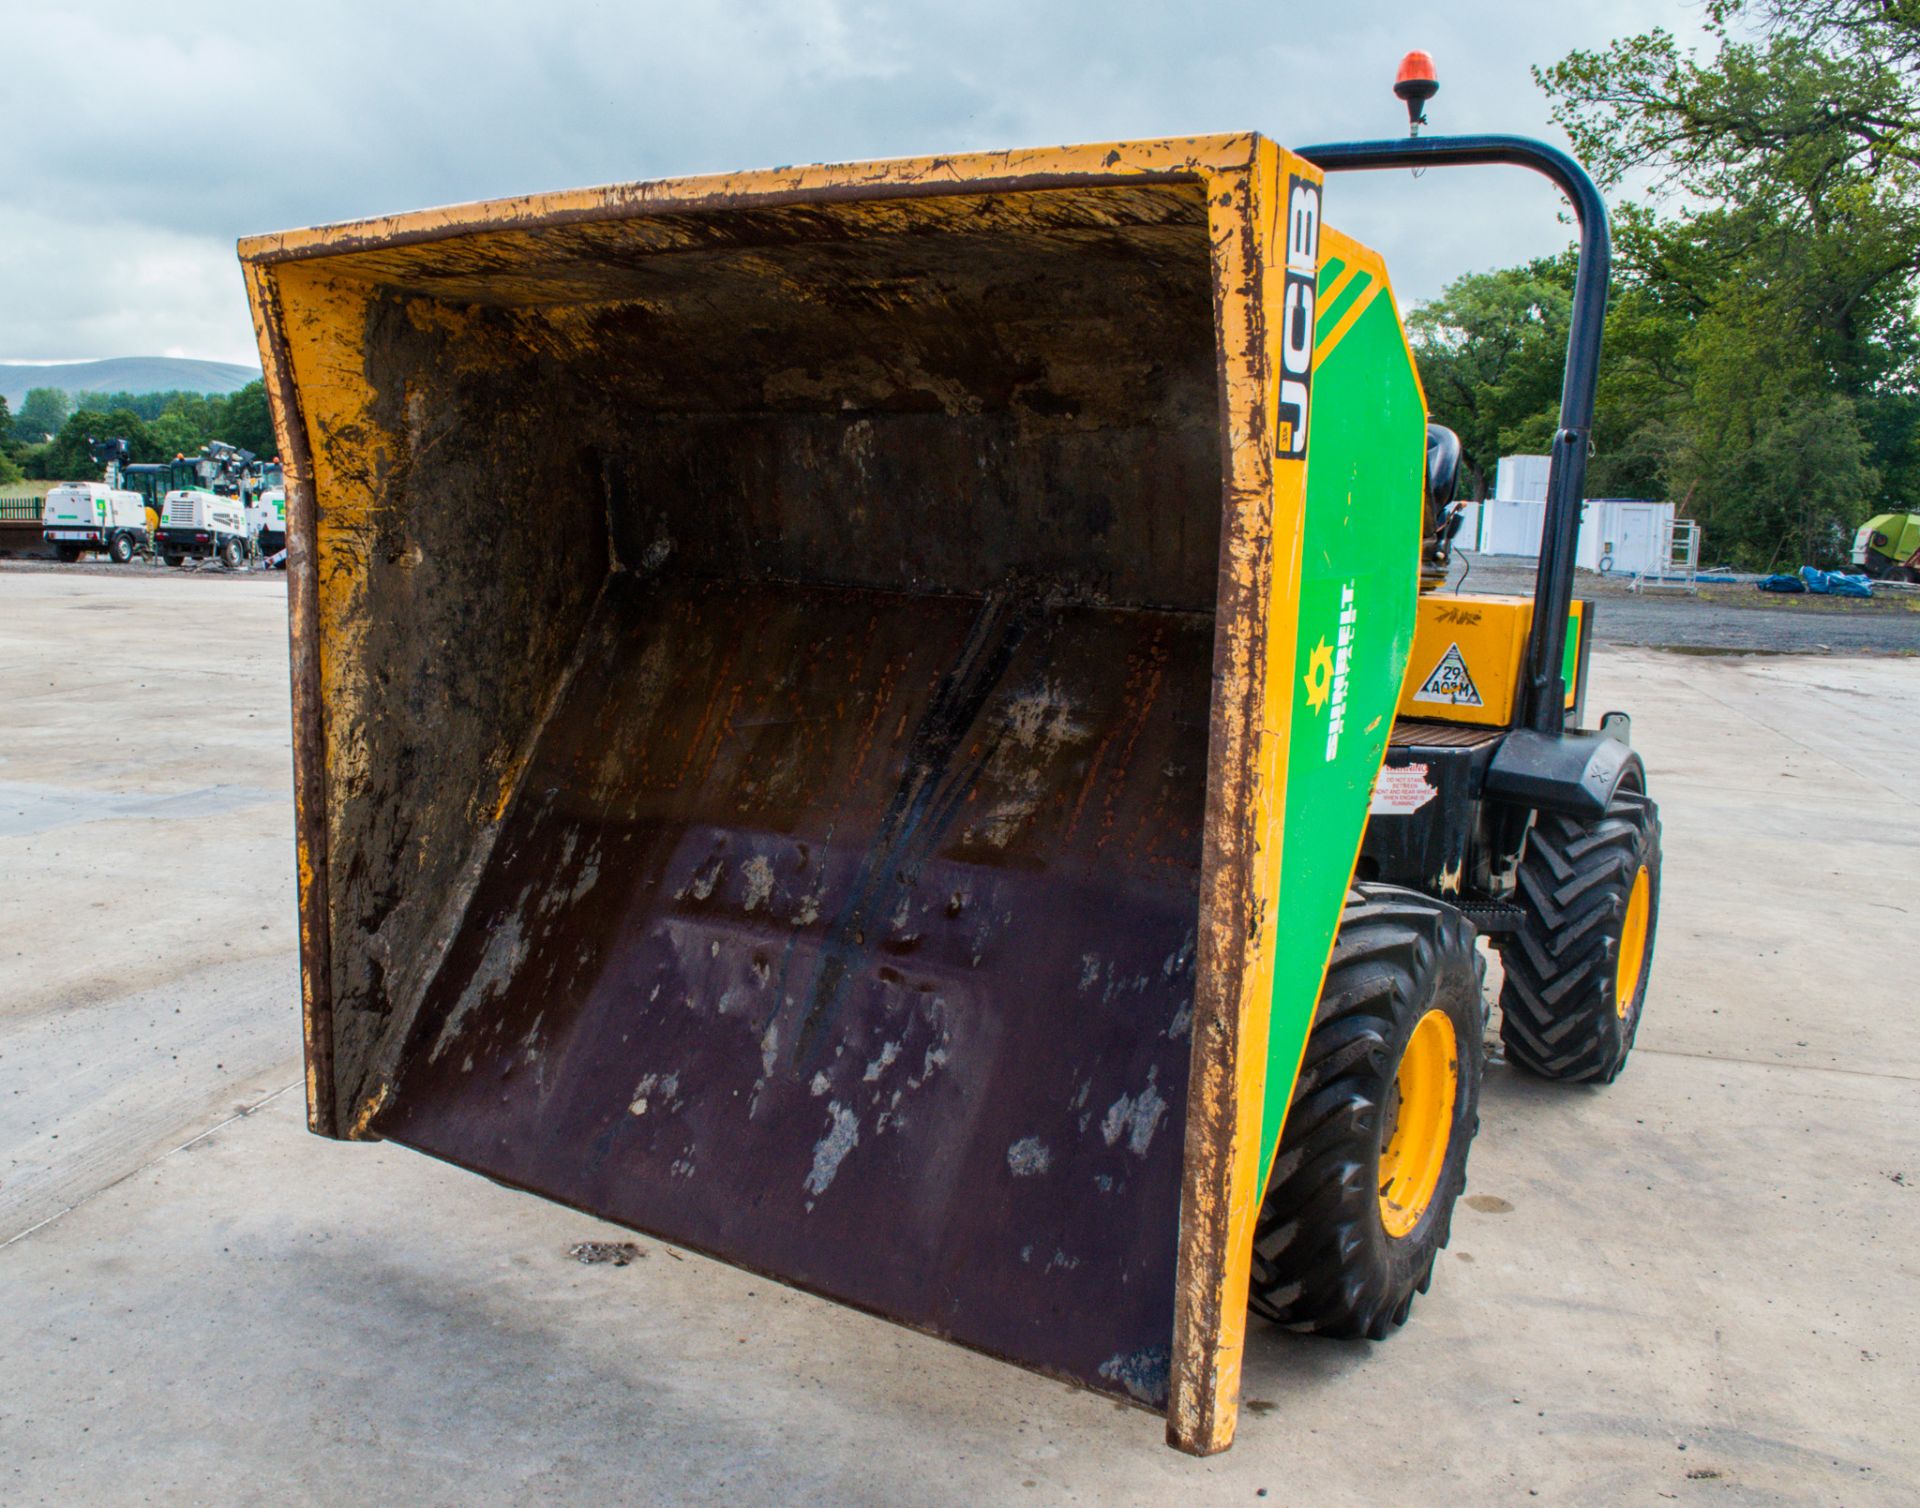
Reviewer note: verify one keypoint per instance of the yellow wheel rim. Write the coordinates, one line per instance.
(1633, 943)
(1419, 1123)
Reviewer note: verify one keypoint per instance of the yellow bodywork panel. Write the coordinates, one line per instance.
(1469, 654)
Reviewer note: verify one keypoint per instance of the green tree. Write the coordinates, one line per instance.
(245, 420)
(69, 456)
(200, 412)
(42, 412)
(9, 467)
(149, 406)
(174, 434)
(1492, 353)
(1491, 350)
(187, 423)
(1776, 361)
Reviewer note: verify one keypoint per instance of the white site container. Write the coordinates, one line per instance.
(1624, 536)
(1509, 522)
(1522, 478)
(1621, 535)
(1511, 526)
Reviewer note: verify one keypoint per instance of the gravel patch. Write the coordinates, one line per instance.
(138, 569)
(1721, 619)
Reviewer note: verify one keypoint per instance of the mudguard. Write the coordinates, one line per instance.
(1574, 773)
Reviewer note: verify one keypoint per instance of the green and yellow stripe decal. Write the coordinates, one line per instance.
(1347, 291)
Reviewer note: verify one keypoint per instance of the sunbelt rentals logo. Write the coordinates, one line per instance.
(1328, 668)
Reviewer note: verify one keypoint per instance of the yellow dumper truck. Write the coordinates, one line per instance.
(939, 782)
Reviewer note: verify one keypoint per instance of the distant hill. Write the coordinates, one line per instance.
(124, 374)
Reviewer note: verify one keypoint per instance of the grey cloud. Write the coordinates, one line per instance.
(232, 118)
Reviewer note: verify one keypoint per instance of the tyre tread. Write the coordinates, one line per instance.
(1314, 1266)
(1557, 1014)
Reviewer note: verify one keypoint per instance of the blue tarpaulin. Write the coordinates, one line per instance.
(1835, 583)
(1823, 583)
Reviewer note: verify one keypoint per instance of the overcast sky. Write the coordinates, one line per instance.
(141, 139)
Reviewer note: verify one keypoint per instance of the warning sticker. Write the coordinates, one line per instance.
(1401, 790)
(1449, 683)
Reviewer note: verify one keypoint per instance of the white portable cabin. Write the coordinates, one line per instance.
(1510, 521)
(1522, 478)
(1624, 536)
(1511, 526)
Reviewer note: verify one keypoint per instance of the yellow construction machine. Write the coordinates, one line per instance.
(938, 782)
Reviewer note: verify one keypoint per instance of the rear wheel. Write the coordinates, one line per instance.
(176, 560)
(1577, 967)
(1374, 1151)
(67, 554)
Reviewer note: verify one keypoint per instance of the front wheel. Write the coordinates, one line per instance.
(1578, 965)
(230, 554)
(121, 550)
(175, 560)
(1374, 1150)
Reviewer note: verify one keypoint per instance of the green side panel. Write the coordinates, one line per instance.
(1902, 531)
(1366, 463)
(1570, 656)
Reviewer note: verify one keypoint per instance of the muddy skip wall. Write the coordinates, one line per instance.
(768, 809)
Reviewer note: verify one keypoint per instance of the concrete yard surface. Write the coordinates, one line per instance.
(1697, 1285)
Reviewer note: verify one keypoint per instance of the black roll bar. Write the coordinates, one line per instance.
(1545, 692)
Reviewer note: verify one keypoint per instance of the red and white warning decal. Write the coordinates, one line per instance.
(1449, 683)
(1401, 790)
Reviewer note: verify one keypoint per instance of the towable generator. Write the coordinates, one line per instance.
(81, 517)
(937, 780)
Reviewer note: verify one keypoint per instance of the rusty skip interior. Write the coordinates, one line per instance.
(767, 656)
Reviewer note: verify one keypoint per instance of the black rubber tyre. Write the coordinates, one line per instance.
(121, 550)
(1323, 1258)
(66, 554)
(176, 560)
(1560, 1014)
(230, 554)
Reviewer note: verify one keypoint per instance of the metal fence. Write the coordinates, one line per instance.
(21, 510)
